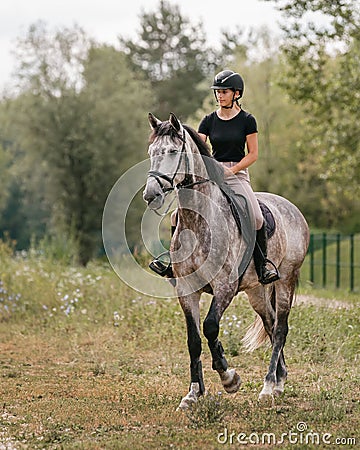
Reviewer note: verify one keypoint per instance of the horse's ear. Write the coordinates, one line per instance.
(174, 121)
(153, 121)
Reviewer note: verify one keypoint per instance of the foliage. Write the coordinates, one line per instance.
(322, 49)
(24, 211)
(77, 120)
(72, 115)
(208, 411)
(4, 181)
(171, 53)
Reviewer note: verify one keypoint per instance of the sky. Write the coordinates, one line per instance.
(106, 20)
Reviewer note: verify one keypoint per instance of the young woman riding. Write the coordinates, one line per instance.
(229, 130)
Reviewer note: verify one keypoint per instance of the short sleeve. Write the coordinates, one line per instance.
(204, 126)
(251, 125)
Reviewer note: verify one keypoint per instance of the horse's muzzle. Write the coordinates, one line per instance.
(154, 201)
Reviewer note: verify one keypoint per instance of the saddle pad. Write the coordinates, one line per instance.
(269, 219)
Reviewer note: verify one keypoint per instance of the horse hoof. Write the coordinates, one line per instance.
(186, 403)
(190, 398)
(266, 399)
(279, 388)
(266, 394)
(232, 382)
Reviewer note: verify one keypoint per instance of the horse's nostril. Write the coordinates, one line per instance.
(154, 201)
(148, 197)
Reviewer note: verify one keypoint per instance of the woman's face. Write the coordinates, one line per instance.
(224, 97)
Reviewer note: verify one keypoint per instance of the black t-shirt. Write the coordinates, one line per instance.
(228, 137)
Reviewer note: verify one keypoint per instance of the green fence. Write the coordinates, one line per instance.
(333, 261)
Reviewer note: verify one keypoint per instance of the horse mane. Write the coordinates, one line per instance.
(214, 169)
(200, 144)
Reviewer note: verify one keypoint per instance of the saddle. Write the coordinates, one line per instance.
(240, 214)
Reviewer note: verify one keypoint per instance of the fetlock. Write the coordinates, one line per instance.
(219, 362)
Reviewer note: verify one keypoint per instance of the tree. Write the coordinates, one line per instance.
(323, 77)
(81, 123)
(172, 54)
(24, 211)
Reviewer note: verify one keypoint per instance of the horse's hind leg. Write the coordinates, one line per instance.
(190, 306)
(229, 378)
(276, 376)
(281, 375)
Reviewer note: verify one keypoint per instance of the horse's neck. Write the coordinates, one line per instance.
(197, 166)
(203, 200)
(200, 204)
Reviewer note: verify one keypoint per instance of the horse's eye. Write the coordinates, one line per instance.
(174, 150)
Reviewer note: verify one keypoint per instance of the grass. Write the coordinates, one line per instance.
(87, 363)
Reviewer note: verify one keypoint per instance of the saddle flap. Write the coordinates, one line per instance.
(268, 218)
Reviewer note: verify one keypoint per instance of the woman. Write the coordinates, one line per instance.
(229, 130)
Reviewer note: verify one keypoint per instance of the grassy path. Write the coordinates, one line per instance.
(86, 363)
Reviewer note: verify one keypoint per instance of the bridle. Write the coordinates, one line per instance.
(159, 176)
(184, 184)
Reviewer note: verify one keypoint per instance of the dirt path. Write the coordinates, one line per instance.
(318, 301)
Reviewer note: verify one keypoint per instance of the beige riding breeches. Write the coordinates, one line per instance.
(240, 184)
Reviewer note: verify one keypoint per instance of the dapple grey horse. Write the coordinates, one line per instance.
(205, 250)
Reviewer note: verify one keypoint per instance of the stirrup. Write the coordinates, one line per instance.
(161, 268)
(269, 276)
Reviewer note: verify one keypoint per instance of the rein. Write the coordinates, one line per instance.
(159, 176)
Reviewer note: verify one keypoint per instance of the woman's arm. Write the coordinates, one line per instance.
(203, 136)
(251, 156)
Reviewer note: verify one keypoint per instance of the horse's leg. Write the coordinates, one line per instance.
(281, 375)
(229, 378)
(190, 306)
(281, 371)
(276, 376)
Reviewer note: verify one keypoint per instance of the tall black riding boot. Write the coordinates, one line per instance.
(265, 275)
(160, 267)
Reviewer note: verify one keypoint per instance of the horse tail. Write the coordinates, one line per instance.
(256, 335)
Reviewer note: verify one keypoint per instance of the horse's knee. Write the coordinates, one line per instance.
(211, 328)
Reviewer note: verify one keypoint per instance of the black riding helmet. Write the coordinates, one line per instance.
(228, 79)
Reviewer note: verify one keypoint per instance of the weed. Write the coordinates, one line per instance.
(231, 330)
(8, 302)
(208, 411)
(99, 369)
